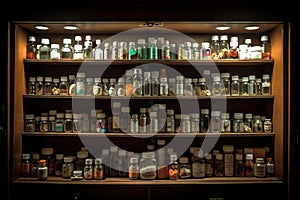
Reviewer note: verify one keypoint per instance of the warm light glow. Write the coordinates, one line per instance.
(223, 28)
(71, 27)
(251, 28)
(42, 27)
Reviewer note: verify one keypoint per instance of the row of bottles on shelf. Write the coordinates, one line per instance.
(157, 162)
(151, 83)
(219, 47)
(158, 119)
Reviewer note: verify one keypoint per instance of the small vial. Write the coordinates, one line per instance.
(251, 85)
(155, 88)
(134, 123)
(143, 121)
(265, 47)
(258, 87)
(147, 84)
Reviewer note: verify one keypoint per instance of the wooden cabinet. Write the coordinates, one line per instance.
(272, 106)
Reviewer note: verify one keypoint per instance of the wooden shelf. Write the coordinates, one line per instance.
(127, 181)
(26, 96)
(141, 135)
(224, 62)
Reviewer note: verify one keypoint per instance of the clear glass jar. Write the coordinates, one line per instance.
(67, 167)
(101, 126)
(172, 86)
(219, 168)
(51, 123)
(248, 123)
(170, 121)
(239, 165)
(215, 123)
(80, 84)
(59, 123)
(78, 48)
(224, 47)
(44, 125)
(137, 82)
(98, 51)
(44, 49)
(260, 168)
(59, 161)
(88, 169)
(54, 52)
(89, 86)
(48, 86)
(97, 88)
(266, 85)
(258, 86)
(77, 123)
(31, 48)
(234, 50)
(123, 51)
(185, 169)
(204, 120)
(63, 86)
(68, 123)
(235, 85)
(141, 49)
(173, 167)
(238, 123)
(205, 51)
(194, 123)
(121, 87)
(268, 126)
(55, 90)
(134, 123)
(31, 86)
(164, 87)
(155, 83)
(29, 123)
(209, 165)
(67, 49)
(225, 86)
(216, 86)
(188, 87)
(185, 123)
(112, 91)
(153, 122)
(244, 88)
(147, 84)
(251, 85)
(143, 120)
(195, 51)
(39, 85)
(98, 169)
(134, 168)
(148, 166)
(225, 123)
(215, 47)
(179, 86)
(265, 47)
(257, 124)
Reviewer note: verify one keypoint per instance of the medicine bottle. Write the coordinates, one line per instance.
(42, 171)
(120, 87)
(88, 47)
(101, 126)
(173, 167)
(270, 166)
(165, 50)
(67, 49)
(179, 85)
(219, 167)
(39, 85)
(134, 168)
(258, 86)
(132, 51)
(198, 163)
(114, 161)
(31, 90)
(251, 85)
(25, 165)
(147, 84)
(44, 125)
(88, 169)
(268, 126)
(266, 84)
(215, 47)
(155, 88)
(225, 83)
(54, 52)
(78, 48)
(265, 47)
(216, 86)
(225, 123)
(59, 123)
(98, 169)
(228, 160)
(249, 165)
(234, 51)
(257, 124)
(44, 49)
(209, 165)
(48, 86)
(31, 48)
(67, 167)
(98, 51)
(260, 168)
(195, 51)
(235, 85)
(68, 123)
(34, 164)
(29, 123)
(47, 154)
(239, 165)
(134, 123)
(244, 86)
(137, 82)
(141, 49)
(58, 164)
(164, 87)
(248, 123)
(185, 169)
(215, 122)
(224, 47)
(204, 120)
(97, 88)
(63, 86)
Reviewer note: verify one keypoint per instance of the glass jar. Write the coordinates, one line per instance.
(173, 167)
(88, 169)
(244, 88)
(235, 85)
(67, 167)
(54, 52)
(89, 86)
(268, 126)
(266, 85)
(164, 87)
(44, 49)
(137, 83)
(98, 169)
(238, 123)
(248, 123)
(216, 86)
(48, 86)
(204, 120)
(58, 164)
(101, 126)
(59, 123)
(215, 124)
(188, 87)
(29, 123)
(260, 168)
(44, 125)
(225, 83)
(134, 123)
(148, 166)
(251, 85)
(179, 86)
(80, 84)
(67, 49)
(185, 123)
(31, 86)
(134, 168)
(68, 123)
(39, 85)
(257, 124)
(63, 86)
(225, 123)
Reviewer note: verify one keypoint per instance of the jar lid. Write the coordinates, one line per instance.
(47, 151)
(26, 156)
(134, 159)
(54, 46)
(59, 156)
(68, 159)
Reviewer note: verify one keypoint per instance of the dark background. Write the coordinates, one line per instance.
(198, 10)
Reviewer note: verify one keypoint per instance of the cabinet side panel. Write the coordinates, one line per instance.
(19, 90)
(277, 90)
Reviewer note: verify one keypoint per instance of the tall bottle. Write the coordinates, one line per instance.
(31, 48)
(88, 47)
(265, 47)
(147, 84)
(141, 49)
(78, 48)
(215, 47)
(98, 51)
(173, 167)
(132, 51)
(224, 47)
(137, 82)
